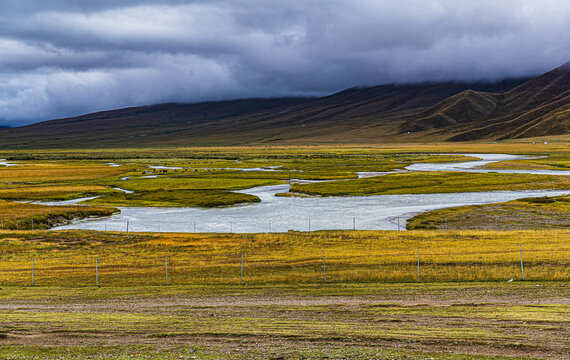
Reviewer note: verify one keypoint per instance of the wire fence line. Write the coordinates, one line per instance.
(183, 268)
(229, 225)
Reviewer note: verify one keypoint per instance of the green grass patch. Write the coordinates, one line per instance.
(192, 183)
(176, 198)
(542, 213)
(433, 182)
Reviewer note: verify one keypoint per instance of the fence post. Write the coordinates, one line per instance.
(127, 227)
(522, 268)
(353, 223)
(324, 267)
(32, 272)
(418, 264)
(96, 273)
(166, 268)
(309, 224)
(446, 224)
(241, 272)
(398, 223)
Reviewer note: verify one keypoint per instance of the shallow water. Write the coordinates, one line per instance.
(123, 190)
(3, 162)
(65, 202)
(279, 214)
(474, 166)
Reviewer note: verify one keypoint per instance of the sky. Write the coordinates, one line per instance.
(61, 58)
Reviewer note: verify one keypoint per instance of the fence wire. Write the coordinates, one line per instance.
(224, 268)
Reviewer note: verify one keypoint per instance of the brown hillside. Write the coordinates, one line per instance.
(466, 107)
(353, 115)
(538, 107)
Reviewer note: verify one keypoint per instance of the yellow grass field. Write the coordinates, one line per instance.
(55, 172)
(22, 192)
(68, 258)
(20, 216)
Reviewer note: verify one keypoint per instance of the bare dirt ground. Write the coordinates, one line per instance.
(510, 319)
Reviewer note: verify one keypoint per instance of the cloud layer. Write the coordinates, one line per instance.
(70, 57)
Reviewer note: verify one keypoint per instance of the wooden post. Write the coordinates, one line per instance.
(241, 272)
(194, 226)
(324, 267)
(309, 224)
(522, 268)
(166, 268)
(96, 273)
(32, 272)
(353, 223)
(418, 264)
(127, 227)
(446, 224)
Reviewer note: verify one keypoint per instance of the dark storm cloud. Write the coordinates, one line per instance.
(62, 58)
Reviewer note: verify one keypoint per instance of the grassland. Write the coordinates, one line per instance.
(197, 177)
(27, 216)
(67, 258)
(53, 192)
(370, 307)
(176, 198)
(524, 214)
(64, 172)
(433, 182)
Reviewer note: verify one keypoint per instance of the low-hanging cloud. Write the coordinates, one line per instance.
(69, 57)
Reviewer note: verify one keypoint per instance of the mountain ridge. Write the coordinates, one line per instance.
(445, 111)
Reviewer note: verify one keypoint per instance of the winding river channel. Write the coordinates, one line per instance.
(280, 214)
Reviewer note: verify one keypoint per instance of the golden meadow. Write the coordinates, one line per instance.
(67, 258)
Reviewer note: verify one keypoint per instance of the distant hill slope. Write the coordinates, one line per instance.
(538, 107)
(464, 108)
(387, 113)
